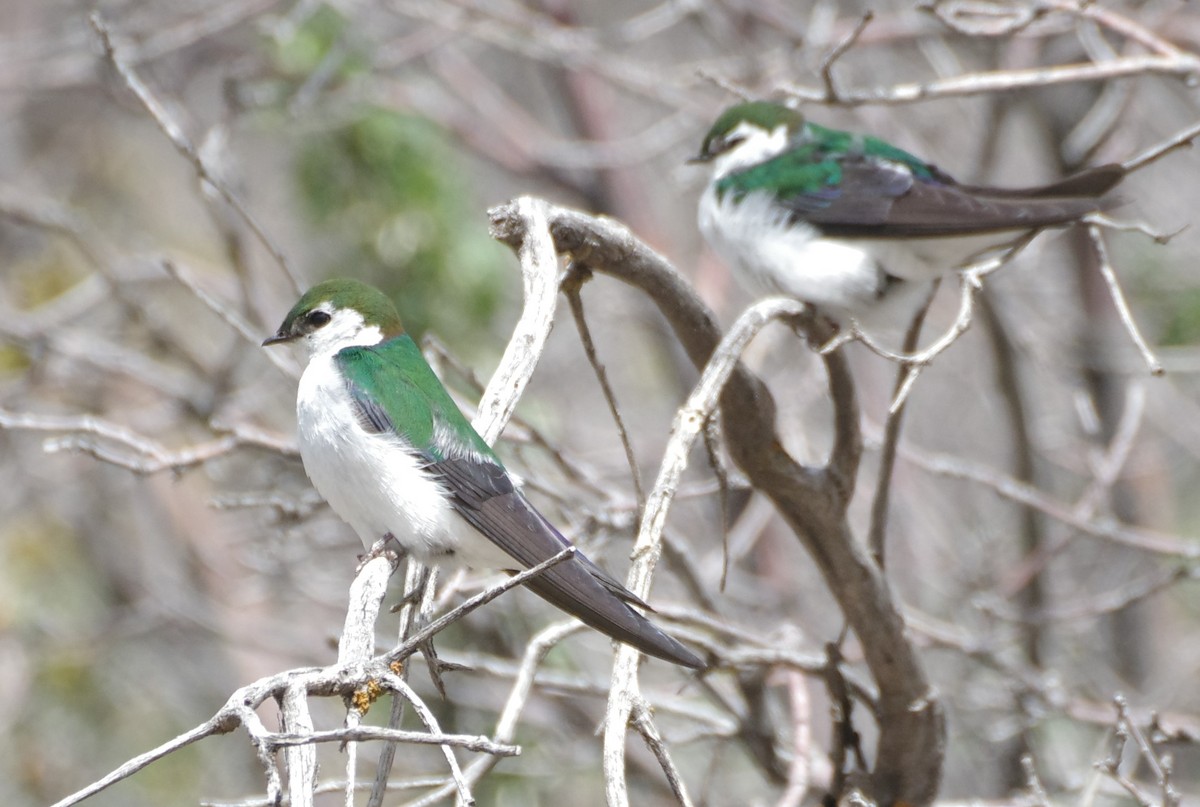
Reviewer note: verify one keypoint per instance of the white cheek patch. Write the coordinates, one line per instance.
(346, 328)
(757, 145)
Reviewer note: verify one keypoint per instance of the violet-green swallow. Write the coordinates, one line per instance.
(848, 222)
(386, 446)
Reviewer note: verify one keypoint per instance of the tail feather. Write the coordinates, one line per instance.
(1091, 183)
(572, 587)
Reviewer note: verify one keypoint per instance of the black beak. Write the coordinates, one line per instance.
(700, 159)
(278, 339)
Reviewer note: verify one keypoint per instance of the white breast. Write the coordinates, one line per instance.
(772, 256)
(375, 482)
(844, 278)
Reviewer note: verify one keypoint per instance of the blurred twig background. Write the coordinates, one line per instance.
(170, 176)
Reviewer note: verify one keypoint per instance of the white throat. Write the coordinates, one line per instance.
(345, 329)
(757, 145)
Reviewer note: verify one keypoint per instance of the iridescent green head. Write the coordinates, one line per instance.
(738, 122)
(338, 313)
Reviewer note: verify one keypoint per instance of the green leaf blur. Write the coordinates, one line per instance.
(386, 186)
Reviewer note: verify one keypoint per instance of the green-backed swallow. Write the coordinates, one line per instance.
(390, 451)
(851, 223)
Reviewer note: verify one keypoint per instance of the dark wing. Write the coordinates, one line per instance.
(370, 413)
(869, 196)
(1091, 183)
(483, 494)
(868, 205)
(394, 378)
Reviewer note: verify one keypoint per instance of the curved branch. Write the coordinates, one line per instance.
(688, 425)
(539, 268)
(911, 740)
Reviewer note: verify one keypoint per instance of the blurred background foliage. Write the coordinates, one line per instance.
(388, 190)
(385, 187)
(368, 139)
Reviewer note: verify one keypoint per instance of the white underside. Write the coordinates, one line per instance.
(844, 278)
(375, 482)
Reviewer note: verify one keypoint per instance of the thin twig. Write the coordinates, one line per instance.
(232, 318)
(712, 443)
(577, 275)
(839, 50)
(407, 648)
(1146, 540)
(174, 132)
(970, 282)
(984, 83)
(1118, 298)
(477, 743)
(688, 424)
(399, 685)
(220, 724)
(643, 722)
(506, 725)
(877, 532)
(1183, 139)
(143, 455)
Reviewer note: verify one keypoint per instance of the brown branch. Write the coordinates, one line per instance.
(911, 742)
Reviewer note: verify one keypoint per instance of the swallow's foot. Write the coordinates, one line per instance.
(387, 546)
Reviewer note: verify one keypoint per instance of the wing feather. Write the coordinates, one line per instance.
(863, 195)
(483, 494)
(395, 393)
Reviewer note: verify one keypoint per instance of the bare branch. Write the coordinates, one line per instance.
(1183, 139)
(910, 744)
(643, 723)
(141, 454)
(219, 724)
(839, 50)
(1183, 67)
(577, 276)
(174, 132)
(399, 685)
(877, 533)
(1118, 298)
(361, 733)
(506, 726)
(232, 318)
(410, 646)
(301, 760)
(1147, 540)
(688, 425)
(800, 773)
(539, 268)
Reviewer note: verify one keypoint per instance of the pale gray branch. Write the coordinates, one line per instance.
(182, 143)
(686, 428)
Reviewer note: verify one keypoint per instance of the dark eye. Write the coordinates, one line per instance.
(318, 318)
(732, 142)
